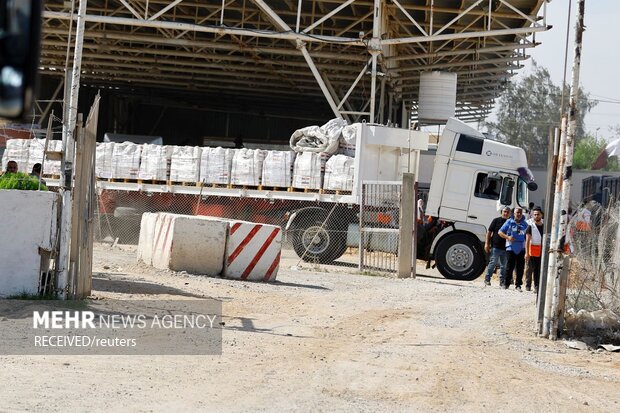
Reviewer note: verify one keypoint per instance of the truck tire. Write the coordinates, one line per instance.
(315, 240)
(460, 257)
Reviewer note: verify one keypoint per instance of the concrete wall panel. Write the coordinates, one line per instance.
(28, 228)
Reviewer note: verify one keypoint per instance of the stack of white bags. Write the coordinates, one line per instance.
(17, 150)
(52, 167)
(247, 167)
(309, 168)
(278, 169)
(155, 162)
(103, 160)
(216, 165)
(316, 165)
(185, 164)
(126, 160)
(321, 157)
(339, 173)
(27, 152)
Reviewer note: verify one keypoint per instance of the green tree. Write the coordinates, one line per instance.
(587, 151)
(528, 108)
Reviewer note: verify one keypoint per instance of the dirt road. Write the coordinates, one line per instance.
(326, 341)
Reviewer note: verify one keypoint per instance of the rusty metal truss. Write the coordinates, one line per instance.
(363, 56)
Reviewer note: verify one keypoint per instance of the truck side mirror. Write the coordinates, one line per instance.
(532, 186)
(507, 189)
(20, 30)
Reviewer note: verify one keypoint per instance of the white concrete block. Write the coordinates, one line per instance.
(253, 251)
(147, 237)
(195, 244)
(28, 228)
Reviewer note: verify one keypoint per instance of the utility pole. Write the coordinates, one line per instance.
(67, 162)
(557, 272)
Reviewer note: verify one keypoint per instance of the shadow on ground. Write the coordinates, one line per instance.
(125, 286)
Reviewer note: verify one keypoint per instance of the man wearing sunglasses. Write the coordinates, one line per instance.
(513, 231)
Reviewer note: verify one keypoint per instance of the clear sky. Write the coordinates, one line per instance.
(600, 59)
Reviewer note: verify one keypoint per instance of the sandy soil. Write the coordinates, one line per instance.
(326, 341)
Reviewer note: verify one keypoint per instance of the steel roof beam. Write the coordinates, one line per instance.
(269, 34)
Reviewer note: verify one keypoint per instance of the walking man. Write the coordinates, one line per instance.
(496, 247)
(513, 231)
(533, 248)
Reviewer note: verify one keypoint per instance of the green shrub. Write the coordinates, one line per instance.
(20, 180)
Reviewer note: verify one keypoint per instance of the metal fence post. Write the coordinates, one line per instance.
(405, 235)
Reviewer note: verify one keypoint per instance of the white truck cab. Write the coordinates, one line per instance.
(473, 179)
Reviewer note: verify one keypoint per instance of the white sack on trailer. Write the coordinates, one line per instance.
(103, 159)
(17, 150)
(216, 165)
(278, 168)
(318, 139)
(155, 162)
(247, 167)
(348, 140)
(126, 160)
(52, 167)
(339, 173)
(185, 164)
(308, 171)
(36, 148)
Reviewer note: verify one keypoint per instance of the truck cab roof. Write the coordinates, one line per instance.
(460, 142)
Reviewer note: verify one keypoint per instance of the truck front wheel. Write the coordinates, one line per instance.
(314, 239)
(460, 257)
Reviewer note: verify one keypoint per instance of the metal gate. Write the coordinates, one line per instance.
(379, 226)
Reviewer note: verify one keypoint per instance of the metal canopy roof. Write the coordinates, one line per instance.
(363, 56)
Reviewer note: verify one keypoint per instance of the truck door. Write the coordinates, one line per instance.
(483, 204)
(456, 193)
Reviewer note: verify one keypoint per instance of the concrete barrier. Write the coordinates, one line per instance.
(28, 228)
(194, 244)
(145, 242)
(212, 246)
(253, 251)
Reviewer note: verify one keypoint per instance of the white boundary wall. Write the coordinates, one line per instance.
(28, 228)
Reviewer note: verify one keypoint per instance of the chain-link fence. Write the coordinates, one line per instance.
(379, 223)
(316, 232)
(594, 281)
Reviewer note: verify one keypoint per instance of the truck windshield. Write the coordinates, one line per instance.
(521, 193)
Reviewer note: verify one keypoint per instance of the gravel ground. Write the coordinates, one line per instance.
(328, 340)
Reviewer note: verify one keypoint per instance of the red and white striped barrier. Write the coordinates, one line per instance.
(253, 251)
(162, 241)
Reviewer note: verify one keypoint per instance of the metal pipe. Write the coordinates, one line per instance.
(288, 35)
(298, 16)
(454, 36)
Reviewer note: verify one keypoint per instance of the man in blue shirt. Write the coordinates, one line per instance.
(513, 231)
